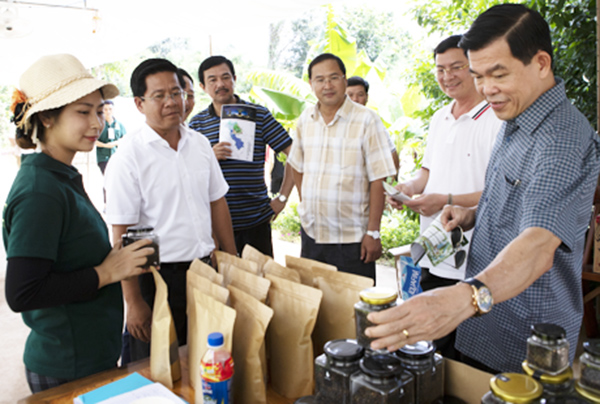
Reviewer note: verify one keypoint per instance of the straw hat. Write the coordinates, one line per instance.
(57, 80)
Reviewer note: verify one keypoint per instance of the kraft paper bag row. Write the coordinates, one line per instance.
(226, 258)
(304, 267)
(254, 285)
(206, 271)
(289, 343)
(252, 254)
(251, 322)
(273, 268)
(164, 347)
(196, 347)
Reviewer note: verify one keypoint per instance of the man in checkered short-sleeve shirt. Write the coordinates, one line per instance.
(524, 266)
(340, 156)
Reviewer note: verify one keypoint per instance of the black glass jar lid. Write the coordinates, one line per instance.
(417, 350)
(140, 229)
(592, 347)
(381, 365)
(549, 332)
(344, 350)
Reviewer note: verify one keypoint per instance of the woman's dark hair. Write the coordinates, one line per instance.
(23, 138)
(147, 68)
(212, 62)
(524, 29)
(323, 57)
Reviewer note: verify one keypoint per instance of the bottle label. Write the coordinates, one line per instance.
(216, 381)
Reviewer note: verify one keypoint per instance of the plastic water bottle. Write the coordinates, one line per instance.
(216, 371)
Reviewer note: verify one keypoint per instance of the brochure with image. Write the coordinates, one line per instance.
(394, 193)
(238, 127)
(439, 244)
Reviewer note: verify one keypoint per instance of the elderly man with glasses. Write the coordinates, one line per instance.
(166, 177)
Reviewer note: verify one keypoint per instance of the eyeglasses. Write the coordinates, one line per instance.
(450, 70)
(333, 79)
(162, 98)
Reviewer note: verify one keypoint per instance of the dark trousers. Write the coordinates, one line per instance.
(258, 237)
(174, 275)
(346, 257)
(445, 344)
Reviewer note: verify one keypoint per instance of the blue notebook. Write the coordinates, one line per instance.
(132, 382)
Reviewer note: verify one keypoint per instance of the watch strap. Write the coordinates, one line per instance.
(374, 234)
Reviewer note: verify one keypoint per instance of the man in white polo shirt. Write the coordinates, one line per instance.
(165, 176)
(459, 145)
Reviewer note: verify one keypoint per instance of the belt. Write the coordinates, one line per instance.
(182, 266)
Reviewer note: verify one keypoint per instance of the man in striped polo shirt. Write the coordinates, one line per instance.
(249, 204)
(459, 145)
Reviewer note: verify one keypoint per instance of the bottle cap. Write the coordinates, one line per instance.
(344, 350)
(516, 388)
(140, 229)
(383, 366)
(547, 378)
(419, 349)
(592, 347)
(548, 332)
(215, 340)
(378, 296)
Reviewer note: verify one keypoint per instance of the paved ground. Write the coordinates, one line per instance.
(14, 333)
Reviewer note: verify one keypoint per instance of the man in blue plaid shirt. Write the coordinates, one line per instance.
(530, 224)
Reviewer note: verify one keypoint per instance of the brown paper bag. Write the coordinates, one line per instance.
(205, 315)
(252, 254)
(164, 347)
(226, 258)
(206, 271)
(252, 319)
(289, 345)
(304, 266)
(273, 268)
(254, 285)
(336, 314)
(207, 287)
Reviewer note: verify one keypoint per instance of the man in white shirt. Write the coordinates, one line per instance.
(165, 176)
(459, 145)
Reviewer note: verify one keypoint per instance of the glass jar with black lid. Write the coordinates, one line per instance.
(513, 388)
(427, 368)
(135, 233)
(548, 349)
(381, 380)
(334, 368)
(371, 299)
(588, 384)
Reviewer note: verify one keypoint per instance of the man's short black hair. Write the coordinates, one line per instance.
(359, 81)
(109, 102)
(524, 29)
(323, 57)
(181, 74)
(449, 43)
(147, 68)
(212, 62)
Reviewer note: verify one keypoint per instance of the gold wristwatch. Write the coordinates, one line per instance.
(482, 297)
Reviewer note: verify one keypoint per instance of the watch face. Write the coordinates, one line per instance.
(484, 300)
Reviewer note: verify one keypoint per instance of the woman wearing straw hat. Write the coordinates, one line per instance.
(61, 272)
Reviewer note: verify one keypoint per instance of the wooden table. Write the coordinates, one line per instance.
(67, 392)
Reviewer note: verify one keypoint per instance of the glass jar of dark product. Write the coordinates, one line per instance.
(589, 363)
(334, 368)
(513, 388)
(371, 299)
(381, 380)
(548, 349)
(560, 385)
(136, 233)
(426, 367)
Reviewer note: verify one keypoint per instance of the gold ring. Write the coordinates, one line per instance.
(405, 332)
